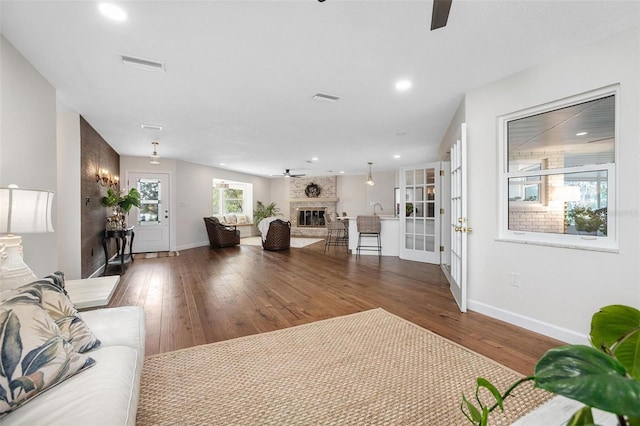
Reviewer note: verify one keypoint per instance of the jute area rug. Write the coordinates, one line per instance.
(369, 368)
(295, 242)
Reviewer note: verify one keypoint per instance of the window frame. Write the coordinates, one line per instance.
(609, 243)
(247, 197)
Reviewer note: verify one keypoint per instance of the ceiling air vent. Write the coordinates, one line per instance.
(151, 127)
(325, 97)
(144, 64)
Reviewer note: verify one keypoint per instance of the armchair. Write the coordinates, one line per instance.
(221, 235)
(278, 236)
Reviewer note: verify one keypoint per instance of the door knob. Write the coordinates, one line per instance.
(457, 229)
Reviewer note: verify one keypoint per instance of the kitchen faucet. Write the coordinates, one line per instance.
(374, 208)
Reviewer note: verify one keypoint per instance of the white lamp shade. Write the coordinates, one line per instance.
(25, 211)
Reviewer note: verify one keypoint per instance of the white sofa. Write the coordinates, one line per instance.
(105, 394)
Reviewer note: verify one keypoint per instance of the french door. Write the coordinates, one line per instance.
(419, 213)
(151, 220)
(456, 269)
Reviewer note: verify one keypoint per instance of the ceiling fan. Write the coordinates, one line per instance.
(287, 174)
(440, 13)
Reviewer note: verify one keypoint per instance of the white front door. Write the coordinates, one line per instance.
(151, 220)
(458, 226)
(419, 213)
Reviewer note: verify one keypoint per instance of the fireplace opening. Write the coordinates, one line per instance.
(311, 217)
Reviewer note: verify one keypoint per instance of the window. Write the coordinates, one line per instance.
(558, 172)
(149, 200)
(232, 197)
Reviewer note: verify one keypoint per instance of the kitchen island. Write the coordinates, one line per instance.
(389, 236)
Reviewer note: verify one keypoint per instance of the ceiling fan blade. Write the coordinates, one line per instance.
(440, 13)
(287, 173)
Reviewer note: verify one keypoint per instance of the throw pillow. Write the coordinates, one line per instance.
(56, 303)
(35, 356)
(230, 219)
(241, 218)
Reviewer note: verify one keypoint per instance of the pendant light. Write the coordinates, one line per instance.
(370, 178)
(155, 158)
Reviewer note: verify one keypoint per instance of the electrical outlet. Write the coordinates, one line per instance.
(514, 279)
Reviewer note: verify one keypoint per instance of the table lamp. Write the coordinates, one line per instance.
(21, 211)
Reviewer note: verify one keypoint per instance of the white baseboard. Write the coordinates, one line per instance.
(532, 324)
(193, 245)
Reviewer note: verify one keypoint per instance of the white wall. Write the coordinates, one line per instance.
(69, 200)
(560, 288)
(28, 144)
(190, 195)
(356, 197)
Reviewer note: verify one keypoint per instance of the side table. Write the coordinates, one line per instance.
(121, 238)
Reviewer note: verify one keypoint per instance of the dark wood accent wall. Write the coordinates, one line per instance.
(95, 154)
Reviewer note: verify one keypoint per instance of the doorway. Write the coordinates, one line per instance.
(151, 219)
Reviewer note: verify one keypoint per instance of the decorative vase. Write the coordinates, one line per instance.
(117, 221)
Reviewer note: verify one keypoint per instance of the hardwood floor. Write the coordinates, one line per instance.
(206, 295)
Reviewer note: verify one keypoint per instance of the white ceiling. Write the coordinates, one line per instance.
(240, 75)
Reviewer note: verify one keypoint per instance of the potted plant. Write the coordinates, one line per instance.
(587, 220)
(605, 375)
(263, 211)
(121, 204)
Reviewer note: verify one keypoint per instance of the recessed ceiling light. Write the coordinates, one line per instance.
(223, 164)
(314, 159)
(403, 85)
(396, 156)
(112, 11)
(342, 172)
(581, 134)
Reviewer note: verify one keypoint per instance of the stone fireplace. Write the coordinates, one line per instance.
(306, 210)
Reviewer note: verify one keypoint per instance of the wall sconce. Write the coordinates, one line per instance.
(103, 177)
(114, 183)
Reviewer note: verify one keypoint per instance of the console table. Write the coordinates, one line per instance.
(121, 257)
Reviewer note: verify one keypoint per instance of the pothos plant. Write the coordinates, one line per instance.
(605, 375)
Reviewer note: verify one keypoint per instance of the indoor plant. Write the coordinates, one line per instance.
(587, 220)
(121, 204)
(605, 375)
(263, 211)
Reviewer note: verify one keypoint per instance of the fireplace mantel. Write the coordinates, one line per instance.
(314, 200)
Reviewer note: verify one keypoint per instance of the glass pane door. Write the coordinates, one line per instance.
(420, 224)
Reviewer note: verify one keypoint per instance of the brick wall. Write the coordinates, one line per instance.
(328, 195)
(545, 216)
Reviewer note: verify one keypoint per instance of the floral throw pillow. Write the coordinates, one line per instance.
(56, 303)
(35, 356)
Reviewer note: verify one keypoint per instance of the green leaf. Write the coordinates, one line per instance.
(589, 376)
(582, 417)
(484, 383)
(611, 324)
(476, 417)
(633, 421)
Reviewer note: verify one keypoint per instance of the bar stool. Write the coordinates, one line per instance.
(337, 233)
(368, 227)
